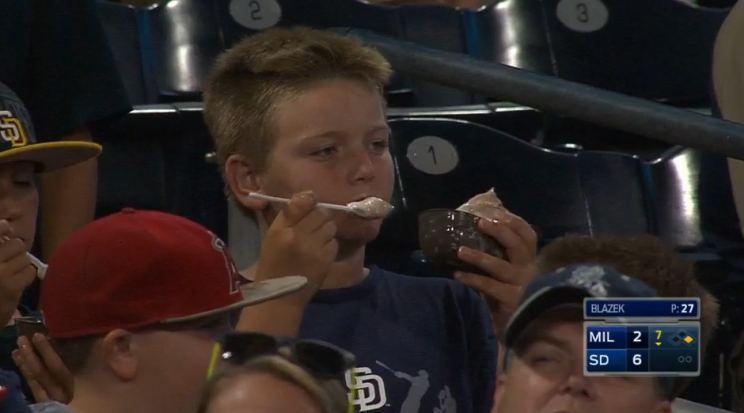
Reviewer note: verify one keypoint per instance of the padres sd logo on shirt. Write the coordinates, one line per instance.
(12, 130)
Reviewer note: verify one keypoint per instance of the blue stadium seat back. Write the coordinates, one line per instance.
(182, 39)
(690, 198)
(612, 44)
(241, 18)
(196, 186)
(512, 33)
(398, 237)
(629, 48)
(238, 19)
(521, 122)
(441, 163)
(564, 132)
(155, 159)
(122, 25)
(442, 28)
(131, 171)
(612, 189)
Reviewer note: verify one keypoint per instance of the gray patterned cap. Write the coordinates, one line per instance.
(571, 285)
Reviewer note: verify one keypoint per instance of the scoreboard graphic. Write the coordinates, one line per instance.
(654, 337)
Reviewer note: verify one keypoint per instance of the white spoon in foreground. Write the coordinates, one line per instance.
(41, 268)
(371, 208)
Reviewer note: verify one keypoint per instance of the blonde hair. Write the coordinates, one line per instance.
(250, 79)
(330, 396)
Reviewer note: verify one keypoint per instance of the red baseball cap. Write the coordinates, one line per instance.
(135, 269)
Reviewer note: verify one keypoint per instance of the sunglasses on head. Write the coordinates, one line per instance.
(322, 360)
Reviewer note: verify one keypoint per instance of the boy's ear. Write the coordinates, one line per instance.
(242, 180)
(120, 354)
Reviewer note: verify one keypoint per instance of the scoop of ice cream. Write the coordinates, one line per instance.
(486, 205)
(371, 208)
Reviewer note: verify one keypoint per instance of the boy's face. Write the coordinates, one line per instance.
(546, 376)
(19, 199)
(333, 140)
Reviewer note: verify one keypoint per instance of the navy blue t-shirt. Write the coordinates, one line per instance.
(423, 345)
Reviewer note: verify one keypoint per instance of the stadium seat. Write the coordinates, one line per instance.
(521, 122)
(132, 168)
(122, 25)
(673, 198)
(512, 33)
(154, 159)
(182, 38)
(440, 27)
(662, 39)
(443, 162)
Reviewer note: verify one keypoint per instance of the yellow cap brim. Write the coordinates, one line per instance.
(51, 156)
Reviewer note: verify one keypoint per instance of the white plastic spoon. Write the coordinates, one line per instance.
(367, 208)
(41, 268)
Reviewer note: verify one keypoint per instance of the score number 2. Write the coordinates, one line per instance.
(255, 14)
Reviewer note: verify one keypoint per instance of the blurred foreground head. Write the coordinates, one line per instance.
(645, 258)
(134, 303)
(544, 368)
(271, 384)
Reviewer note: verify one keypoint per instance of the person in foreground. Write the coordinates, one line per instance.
(646, 258)
(544, 367)
(300, 114)
(134, 303)
(60, 63)
(272, 383)
(21, 159)
(728, 88)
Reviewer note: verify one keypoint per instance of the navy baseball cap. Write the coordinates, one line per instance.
(18, 140)
(570, 285)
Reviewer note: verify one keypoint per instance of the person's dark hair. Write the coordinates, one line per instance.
(643, 257)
